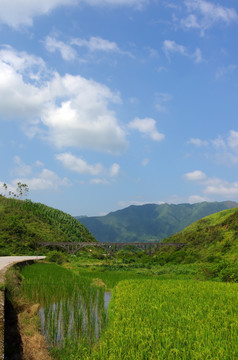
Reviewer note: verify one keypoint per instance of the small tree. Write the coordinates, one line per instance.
(22, 190)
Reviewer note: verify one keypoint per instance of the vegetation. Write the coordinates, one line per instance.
(23, 224)
(171, 320)
(211, 239)
(162, 307)
(149, 222)
(149, 317)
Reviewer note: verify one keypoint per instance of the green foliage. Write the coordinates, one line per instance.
(208, 240)
(56, 257)
(149, 222)
(23, 224)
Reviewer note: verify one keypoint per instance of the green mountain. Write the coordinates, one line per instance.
(149, 222)
(24, 223)
(211, 239)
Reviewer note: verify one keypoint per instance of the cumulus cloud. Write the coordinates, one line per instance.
(68, 110)
(147, 127)
(214, 186)
(198, 142)
(223, 148)
(46, 180)
(114, 170)
(170, 47)
(233, 139)
(195, 175)
(66, 51)
(223, 188)
(98, 181)
(22, 12)
(205, 14)
(97, 44)
(196, 199)
(78, 165)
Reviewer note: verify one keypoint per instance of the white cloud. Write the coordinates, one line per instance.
(69, 110)
(5, 191)
(196, 175)
(66, 51)
(224, 149)
(223, 188)
(22, 12)
(233, 139)
(198, 142)
(214, 186)
(170, 47)
(21, 169)
(205, 14)
(197, 55)
(145, 162)
(98, 181)
(160, 100)
(219, 143)
(225, 71)
(97, 44)
(114, 170)
(46, 180)
(78, 165)
(196, 199)
(147, 127)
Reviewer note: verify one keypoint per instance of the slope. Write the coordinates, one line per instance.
(213, 238)
(23, 224)
(149, 222)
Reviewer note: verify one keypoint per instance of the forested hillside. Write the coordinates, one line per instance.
(211, 239)
(150, 222)
(24, 223)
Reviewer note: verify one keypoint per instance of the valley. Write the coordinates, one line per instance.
(127, 304)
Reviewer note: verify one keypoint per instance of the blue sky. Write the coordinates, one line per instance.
(108, 103)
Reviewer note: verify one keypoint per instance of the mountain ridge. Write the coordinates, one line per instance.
(150, 222)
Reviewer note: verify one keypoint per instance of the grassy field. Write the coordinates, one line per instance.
(149, 317)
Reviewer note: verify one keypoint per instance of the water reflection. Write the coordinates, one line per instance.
(75, 318)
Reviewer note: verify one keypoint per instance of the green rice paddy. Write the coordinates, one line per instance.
(149, 318)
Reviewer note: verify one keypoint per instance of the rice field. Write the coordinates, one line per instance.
(72, 312)
(148, 319)
(170, 319)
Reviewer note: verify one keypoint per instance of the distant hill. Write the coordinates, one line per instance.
(149, 222)
(24, 223)
(213, 238)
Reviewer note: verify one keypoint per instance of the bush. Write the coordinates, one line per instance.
(56, 257)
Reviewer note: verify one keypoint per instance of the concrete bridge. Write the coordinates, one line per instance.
(111, 247)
